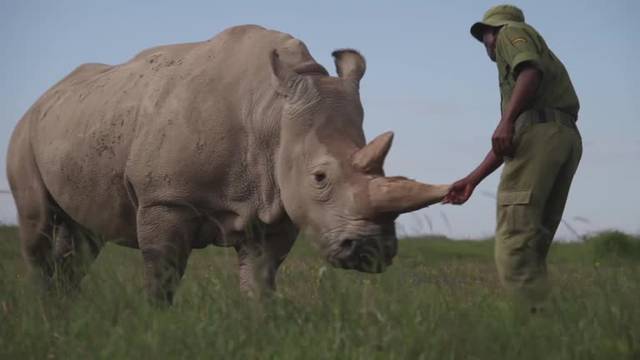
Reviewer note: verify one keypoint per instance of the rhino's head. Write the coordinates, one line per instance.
(332, 182)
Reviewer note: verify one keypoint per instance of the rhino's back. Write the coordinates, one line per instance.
(170, 118)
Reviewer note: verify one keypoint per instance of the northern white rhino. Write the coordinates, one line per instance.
(242, 140)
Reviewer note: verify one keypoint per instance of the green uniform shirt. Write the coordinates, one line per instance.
(518, 43)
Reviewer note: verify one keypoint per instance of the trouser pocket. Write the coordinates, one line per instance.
(513, 211)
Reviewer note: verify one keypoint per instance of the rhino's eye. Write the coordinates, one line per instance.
(319, 176)
(320, 182)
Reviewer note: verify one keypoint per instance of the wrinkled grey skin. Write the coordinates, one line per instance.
(239, 141)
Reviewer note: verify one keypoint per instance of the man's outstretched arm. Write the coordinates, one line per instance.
(462, 189)
(525, 89)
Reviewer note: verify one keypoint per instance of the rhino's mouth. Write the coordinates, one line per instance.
(365, 255)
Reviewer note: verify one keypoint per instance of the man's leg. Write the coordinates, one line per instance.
(526, 186)
(560, 191)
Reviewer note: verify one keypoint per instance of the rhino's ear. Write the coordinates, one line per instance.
(284, 78)
(350, 64)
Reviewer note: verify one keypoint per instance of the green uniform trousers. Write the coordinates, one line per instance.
(531, 197)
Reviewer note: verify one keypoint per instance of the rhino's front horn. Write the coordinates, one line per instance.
(370, 158)
(400, 195)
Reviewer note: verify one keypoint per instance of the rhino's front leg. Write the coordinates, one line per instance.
(260, 255)
(165, 235)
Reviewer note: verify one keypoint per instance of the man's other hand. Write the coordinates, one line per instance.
(502, 140)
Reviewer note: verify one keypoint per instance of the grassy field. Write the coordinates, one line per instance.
(440, 300)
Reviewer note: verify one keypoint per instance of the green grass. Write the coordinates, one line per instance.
(440, 300)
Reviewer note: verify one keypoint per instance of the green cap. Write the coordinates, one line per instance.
(495, 17)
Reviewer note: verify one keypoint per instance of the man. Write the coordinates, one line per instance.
(539, 144)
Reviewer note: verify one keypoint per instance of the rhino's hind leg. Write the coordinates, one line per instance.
(59, 253)
(35, 215)
(165, 235)
(35, 238)
(74, 250)
(57, 250)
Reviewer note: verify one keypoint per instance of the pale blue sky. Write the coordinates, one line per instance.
(427, 79)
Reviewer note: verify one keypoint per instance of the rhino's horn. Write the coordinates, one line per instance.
(399, 195)
(370, 158)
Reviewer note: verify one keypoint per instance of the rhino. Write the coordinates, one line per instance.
(242, 141)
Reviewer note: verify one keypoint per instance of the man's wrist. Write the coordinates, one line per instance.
(508, 120)
(473, 179)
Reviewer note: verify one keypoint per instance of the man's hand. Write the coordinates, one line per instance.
(460, 192)
(502, 140)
